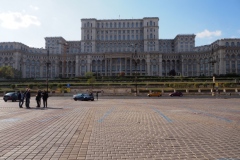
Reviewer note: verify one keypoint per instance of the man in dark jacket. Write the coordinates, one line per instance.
(38, 98)
(44, 97)
(28, 96)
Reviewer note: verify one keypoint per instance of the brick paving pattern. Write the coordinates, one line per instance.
(122, 128)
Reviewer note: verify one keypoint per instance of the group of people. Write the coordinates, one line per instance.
(27, 95)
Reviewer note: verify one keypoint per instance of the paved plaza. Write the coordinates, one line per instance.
(122, 128)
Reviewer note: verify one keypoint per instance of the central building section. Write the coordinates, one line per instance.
(116, 45)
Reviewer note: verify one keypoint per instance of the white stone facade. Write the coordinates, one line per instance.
(108, 47)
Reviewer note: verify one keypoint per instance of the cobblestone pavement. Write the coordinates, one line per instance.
(122, 128)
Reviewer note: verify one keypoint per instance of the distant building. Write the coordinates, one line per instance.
(108, 47)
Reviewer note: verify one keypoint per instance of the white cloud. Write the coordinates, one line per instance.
(34, 7)
(16, 20)
(207, 34)
(238, 31)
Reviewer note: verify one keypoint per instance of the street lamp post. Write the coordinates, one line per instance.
(135, 56)
(213, 61)
(47, 63)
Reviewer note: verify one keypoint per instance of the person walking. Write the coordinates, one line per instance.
(38, 98)
(20, 98)
(28, 96)
(44, 97)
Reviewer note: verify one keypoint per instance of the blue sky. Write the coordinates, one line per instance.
(30, 21)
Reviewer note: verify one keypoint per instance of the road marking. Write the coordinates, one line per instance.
(10, 120)
(209, 114)
(162, 115)
(106, 114)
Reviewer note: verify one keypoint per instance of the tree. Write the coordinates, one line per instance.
(6, 72)
(89, 74)
(51, 86)
(172, 73)
(91, 81)
(30, 86)
(13, 86)
(9, 72)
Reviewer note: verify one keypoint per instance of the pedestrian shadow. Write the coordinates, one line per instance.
(41, 108)
(52, 108)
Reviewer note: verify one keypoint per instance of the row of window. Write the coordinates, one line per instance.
(233, 44)
(119, 24)
(119, 31)
(123, 37)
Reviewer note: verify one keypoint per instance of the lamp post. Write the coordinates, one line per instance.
(135, 57)
(213, 61)
(47, 63)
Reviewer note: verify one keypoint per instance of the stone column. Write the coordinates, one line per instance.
(106, 66)
(77, 66)
(131, 67)
(41, 69)
(63, 68)
(89, 63)
(198, 68)
(183, 69)
(125, 65)
(160, 65)
(56, 70)
(148, 65)
(110, 66)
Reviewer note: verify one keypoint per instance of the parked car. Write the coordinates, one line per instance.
(176, 94)
(154, 94)
(13, 96)
(83, 97)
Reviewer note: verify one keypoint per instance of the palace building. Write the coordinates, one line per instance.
(113, 46)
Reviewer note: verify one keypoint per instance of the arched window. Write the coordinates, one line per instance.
(227, 57)
(227, 44)
(238, 44)
(232, 44)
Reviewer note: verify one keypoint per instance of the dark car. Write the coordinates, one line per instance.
(83, 97)
(13, 96)
(176, 94)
